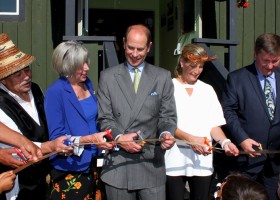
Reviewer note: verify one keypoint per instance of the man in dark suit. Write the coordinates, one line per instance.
(253, 119)
(136, 171)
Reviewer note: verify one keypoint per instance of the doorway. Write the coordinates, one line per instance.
(111, 22)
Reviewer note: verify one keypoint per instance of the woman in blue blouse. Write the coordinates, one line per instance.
(71, 110)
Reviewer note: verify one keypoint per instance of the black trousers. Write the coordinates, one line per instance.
(199, 187)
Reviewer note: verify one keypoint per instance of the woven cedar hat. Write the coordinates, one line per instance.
(11, 58)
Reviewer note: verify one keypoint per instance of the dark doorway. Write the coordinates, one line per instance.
(109, 22)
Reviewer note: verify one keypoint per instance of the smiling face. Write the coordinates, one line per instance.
(190, 71)
(80, 74)
(136, 46)
(266, 63)
(19, 82)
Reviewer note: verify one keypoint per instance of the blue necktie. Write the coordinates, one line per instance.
(268, 92)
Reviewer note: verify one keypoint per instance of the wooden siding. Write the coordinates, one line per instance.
(33, 36)
(261, 16)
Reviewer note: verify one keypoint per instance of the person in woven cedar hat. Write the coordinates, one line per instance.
(22, 110)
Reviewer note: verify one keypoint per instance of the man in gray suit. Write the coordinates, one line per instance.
(133, 171)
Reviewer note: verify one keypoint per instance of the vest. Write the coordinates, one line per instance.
(32, 178)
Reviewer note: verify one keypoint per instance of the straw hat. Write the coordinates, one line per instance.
(11, 58)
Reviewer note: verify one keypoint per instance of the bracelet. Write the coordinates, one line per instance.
(224, 142)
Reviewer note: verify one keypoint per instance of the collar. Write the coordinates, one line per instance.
(15, 96)
(140, 67)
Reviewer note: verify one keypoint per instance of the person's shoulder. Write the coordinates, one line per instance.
(242, 71)
(56, 85)
(204, 85)
(157, 69)
(113, 69)
(35, 86)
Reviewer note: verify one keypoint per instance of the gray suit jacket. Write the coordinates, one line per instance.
(152, 110)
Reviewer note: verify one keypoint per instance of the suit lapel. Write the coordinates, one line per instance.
(125, 84)
(277, 103)
(71, 97)
(146, 83)
(260, 93)
(254, 79)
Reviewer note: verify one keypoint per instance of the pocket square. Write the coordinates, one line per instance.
(153, 93)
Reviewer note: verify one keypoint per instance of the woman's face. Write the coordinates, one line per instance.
(81, 74)
(191, 71)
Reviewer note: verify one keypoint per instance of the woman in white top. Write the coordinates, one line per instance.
(199, 119)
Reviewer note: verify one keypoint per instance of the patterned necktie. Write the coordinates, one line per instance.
(136, 79)
(268, 92)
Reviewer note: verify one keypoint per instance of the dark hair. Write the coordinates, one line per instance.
(240, 187)
(269, 42)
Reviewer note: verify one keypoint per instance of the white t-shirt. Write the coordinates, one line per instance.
(197, 115)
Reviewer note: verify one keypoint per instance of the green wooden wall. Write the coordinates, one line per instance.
(34, 34)
(261, 16)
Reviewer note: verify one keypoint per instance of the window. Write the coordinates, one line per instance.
(12, 10)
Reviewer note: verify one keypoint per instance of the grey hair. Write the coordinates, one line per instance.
(68, 57)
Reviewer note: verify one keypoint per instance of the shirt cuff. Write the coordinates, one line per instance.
(78, 150)
(38, 144)
(160, 136)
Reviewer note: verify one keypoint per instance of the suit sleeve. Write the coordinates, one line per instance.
(230, 104)
(167, 113)
(106, 119)
(54, 114)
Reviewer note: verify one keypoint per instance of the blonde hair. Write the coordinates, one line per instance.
(192, 53)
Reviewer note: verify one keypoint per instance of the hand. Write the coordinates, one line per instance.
(199, 145)
(231, 149)
(131, 147)
(6, 158)
(167, 141)
(30, 150)
(58, 145)
(7, 181)
(99, 139)
(247, 146)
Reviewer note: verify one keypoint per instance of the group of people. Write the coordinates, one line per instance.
(163, 129)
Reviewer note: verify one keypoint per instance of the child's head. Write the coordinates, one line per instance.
(240, 187)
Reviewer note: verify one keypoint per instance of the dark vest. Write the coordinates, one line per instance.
(32, 178)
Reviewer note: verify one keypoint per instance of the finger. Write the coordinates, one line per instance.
(26, 153)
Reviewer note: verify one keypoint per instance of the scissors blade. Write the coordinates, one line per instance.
(17, 170)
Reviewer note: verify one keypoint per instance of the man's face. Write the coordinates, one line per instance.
(19, 82)
(267, 63)
(136, 48)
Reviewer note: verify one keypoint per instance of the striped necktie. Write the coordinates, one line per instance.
(268, 92)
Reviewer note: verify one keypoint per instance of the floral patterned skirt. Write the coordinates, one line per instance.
(72, 185)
